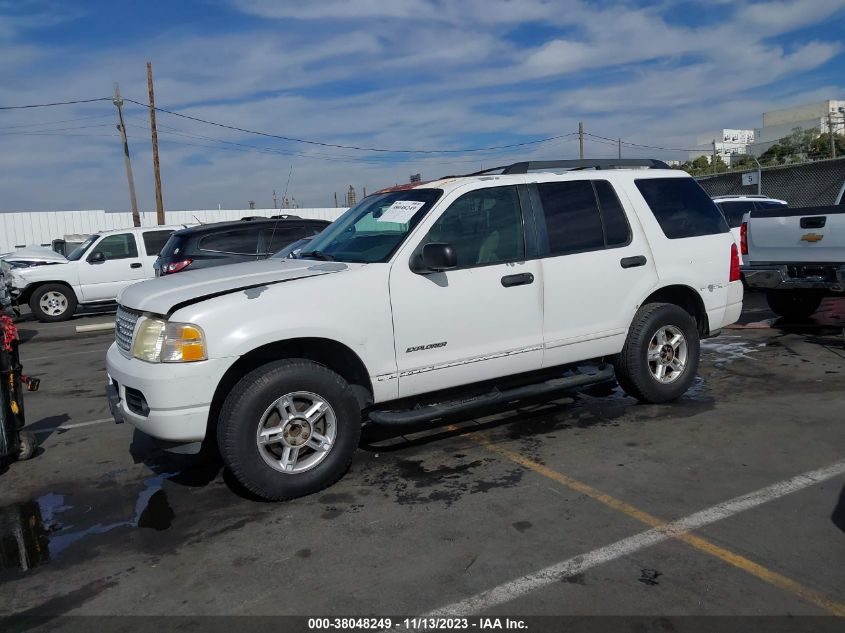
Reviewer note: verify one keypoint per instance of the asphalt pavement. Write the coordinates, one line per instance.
(730, 501)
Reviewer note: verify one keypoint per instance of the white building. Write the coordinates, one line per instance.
(729, 143)
(811, 116)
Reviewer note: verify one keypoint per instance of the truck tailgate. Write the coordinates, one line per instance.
(809, 234)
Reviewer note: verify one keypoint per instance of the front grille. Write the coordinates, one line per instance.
(124, 327)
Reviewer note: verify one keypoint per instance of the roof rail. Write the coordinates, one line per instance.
(584, 163)
(571, 164)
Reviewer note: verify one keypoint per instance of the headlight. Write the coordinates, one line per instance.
(157, 341)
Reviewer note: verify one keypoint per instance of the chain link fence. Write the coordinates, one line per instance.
(806, 185)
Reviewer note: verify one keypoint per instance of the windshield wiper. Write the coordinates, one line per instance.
(317, 255)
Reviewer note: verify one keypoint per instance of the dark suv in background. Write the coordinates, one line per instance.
(231, 242)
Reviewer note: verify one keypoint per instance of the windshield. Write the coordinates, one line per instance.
(79, 251)
(371, 231)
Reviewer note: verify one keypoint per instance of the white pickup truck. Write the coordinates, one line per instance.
(796, 255)
(95, 272)
(424, 302)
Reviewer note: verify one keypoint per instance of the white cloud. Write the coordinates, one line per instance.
(418, 73)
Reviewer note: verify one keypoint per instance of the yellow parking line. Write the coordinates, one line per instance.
(699, 543)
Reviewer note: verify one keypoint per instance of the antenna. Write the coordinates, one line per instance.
(284, 196)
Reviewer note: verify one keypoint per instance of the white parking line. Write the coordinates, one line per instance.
(579, 564)
(65, 427)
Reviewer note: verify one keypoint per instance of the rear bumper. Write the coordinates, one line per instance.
(826, 277)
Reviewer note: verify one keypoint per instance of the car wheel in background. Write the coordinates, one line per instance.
(661, 354)
(52, 302)
(793, 304)
(288, 429)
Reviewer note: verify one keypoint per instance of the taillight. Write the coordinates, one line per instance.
(743, 238)
(175, 267)
(734, 263)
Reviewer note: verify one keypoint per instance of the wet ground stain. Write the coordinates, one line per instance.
(38, 531)
(649, 577)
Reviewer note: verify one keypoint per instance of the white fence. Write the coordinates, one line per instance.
(40, 228)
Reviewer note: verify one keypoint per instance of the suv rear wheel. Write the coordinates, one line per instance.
(289, 428)
(660, 357)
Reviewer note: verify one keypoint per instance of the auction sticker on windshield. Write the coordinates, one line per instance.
(401, 211)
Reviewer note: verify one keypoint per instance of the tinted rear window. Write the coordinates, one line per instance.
(173, 246)
(735, 210)
(768, 205)
(681, 207)
(572, 215)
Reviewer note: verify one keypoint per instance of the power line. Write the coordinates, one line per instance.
(50, 105)
(82, 118)
(665, 149)
(352, 147)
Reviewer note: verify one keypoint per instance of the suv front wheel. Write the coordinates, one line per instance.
(660, 357)
(288, 429)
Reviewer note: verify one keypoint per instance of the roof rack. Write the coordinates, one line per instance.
(573, 164)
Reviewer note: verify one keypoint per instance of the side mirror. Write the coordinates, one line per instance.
(96, 257)
(436, 257)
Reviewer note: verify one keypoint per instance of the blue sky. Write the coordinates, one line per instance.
(405, 74)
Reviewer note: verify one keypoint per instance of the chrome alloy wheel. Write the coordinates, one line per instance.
(667, 354)
(296, 432)
(53, 303)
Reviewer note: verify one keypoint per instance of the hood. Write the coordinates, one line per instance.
(35, 253)
(163, 294)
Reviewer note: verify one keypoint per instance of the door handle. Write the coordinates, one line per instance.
(517, 280)
(816, 222)
(135, 265)
(631, 262)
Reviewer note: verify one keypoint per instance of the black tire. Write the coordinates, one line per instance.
(242, 413)
(27, 445)
(632, 367)
(69, 305)
(793, 304)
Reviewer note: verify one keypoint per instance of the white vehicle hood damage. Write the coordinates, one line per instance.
(166, 294)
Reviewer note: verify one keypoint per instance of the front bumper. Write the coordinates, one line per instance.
(178, 396)
(795, 277)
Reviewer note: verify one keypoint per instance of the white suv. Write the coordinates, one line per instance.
(426, 301)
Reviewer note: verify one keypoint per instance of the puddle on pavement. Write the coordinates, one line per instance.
(35, 532)
(728, 349)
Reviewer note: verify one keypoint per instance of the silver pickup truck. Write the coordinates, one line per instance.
(796, 255)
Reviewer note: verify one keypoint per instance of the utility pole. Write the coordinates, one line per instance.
(713, 160)
(156, 171)
(830, 135)
(117, 100)
(274, 199)
(335, 199)
(581, 141)
(620, 148)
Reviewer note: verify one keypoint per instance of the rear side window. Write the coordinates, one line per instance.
(276, 239)
(121, 246)
(681, 207)
(154, 241)
(237, 242)
(572, 216)
(582, 215)
(617, 231)
(735, 210)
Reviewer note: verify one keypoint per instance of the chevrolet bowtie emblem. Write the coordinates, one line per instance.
(811, 237)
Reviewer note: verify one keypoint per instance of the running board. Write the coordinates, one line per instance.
(423, 413)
